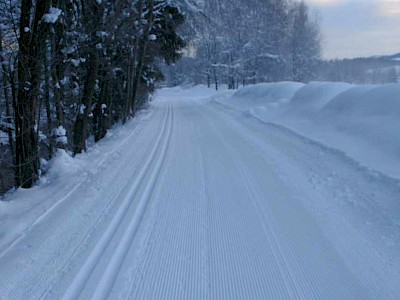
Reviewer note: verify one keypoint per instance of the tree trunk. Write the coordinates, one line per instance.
(58, 68)
(92, 14)
(48, 107)
(7, 101)
(102, 123)
(29, 66)
(215, 79)
(81, 123)
(141, 55)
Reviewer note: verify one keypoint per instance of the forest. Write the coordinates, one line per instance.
(72, 69)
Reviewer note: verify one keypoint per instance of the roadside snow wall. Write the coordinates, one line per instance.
(361, 120)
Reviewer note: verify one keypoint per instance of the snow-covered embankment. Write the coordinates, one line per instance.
(360, 120)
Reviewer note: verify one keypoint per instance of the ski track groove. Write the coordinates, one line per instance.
(145, 248)
(185, 280)
(316, 277)
(158, 273)
(247, 281)
(231, 237)
(103, 214)
(271, 228)
(206, 251)
(111, 272)
(29, 265)
(284, 269)
(295, 259)
(41, 217)
(78, 284)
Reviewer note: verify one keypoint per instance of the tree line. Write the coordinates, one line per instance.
(362, 70)
(237, 42)
(70, 69)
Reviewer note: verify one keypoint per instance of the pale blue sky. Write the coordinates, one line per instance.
(353, 28)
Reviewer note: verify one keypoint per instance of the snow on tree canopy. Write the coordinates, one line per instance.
(53, 15)
(60, 133)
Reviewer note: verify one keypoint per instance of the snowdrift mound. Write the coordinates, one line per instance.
(368, 113)
(265, 94)
(346, 102)
(268, 92)
(362, 121)
(315, 95)
(382, 101)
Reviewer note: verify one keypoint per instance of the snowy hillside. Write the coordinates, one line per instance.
(361, 121)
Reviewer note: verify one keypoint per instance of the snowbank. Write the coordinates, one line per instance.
(263, 93)
(23, 208)
(314, 96)
(361, 121)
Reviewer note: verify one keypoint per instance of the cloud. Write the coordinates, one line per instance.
(359, 27)
(326, 2)
(390, 7)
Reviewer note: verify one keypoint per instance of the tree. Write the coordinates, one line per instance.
(249, 41)
(73, 68)
(92, 12)
(305, 44)
(32, 34)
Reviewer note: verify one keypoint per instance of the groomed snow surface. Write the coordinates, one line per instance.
(276, 191)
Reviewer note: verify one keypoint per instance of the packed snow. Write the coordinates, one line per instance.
(253, 194)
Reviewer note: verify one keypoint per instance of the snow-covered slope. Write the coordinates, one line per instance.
(195, 200)
(362, 121)
(308, 100)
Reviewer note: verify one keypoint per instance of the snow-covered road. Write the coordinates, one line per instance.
(203, 202)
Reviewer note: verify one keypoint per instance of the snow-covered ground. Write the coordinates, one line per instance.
(361, 121)
(217, 195)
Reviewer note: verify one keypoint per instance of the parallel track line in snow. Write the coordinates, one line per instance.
(71, 192)
(154, 277)
(86, 270)
(205, 253)
(297, 262)
(109, 276)
(305, 280)
(252, 280)
(290, 286)
(53, 277)
(101, 216)
(280, 253)
(157, 273)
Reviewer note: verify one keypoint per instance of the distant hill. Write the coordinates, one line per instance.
(395, 57)
(374, 69)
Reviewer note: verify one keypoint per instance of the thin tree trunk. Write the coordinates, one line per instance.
(141, 55)
(7, 101)
(101, 115)
(81, 123)
(48, 106)
(57, 72)
(92, 19)
(215, 79)
(29, 69)
(129, 80)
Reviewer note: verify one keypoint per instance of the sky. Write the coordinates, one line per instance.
(357, 28)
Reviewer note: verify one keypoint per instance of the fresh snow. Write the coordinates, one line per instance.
(53, 15)
(60, 133)
(3, 138)
(214, 195)
(361, 121)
